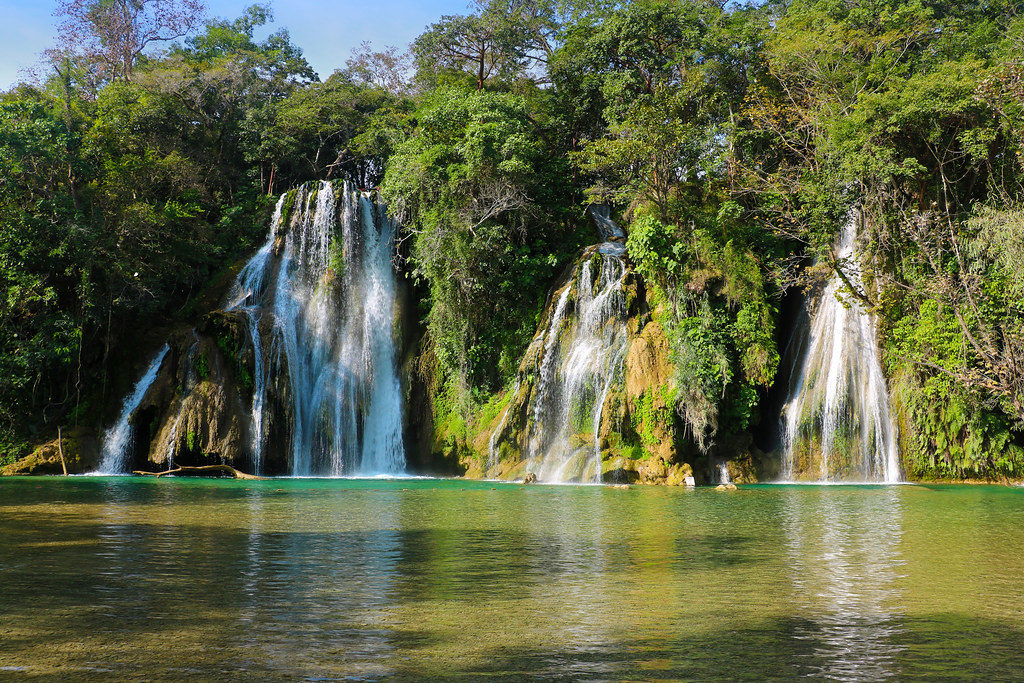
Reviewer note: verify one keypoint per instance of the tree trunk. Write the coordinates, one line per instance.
(60, 449)
(201, 471)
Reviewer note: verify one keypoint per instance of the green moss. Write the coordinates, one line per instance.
(231, 349)
(289, 204)
(651, 413)
(202, 365)
(336, 261)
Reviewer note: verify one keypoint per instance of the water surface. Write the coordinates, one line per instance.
(324, 579)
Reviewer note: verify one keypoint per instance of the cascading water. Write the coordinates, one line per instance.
(249, 287)
(330, 312)
(114, 453)
(609, 229)
(584, 346)
(836, 423)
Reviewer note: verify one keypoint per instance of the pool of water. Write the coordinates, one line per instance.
(124, 577)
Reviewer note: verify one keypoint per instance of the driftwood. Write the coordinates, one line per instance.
(201, 471)
(60, 449)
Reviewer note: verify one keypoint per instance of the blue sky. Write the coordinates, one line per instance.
(326, 31)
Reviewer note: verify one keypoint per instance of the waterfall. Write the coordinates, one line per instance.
(114, 454)
(330, 312)
(836, 423)
(249, 287)
(584, 346)
(608, 229)
(555, 413)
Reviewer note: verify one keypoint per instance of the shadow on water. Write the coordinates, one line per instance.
(944, 646)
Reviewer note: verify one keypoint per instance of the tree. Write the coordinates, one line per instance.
(314, 130)
(464, 184)
(502, 41)
(234, 84)
(117, 32)
(662, 74)
(42, 247)
(387, 69)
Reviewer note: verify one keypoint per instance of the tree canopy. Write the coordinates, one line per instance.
(731, 139)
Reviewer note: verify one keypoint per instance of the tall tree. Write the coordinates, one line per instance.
(501, 41)
(117, 32)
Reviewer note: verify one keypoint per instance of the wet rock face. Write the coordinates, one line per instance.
(647, 373)
(652, 471)
(209, 428)
(196, 412)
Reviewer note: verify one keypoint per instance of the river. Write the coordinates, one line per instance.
(368, 578)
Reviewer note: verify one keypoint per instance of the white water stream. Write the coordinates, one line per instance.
(115, 455)
(837, 424)
(333, 305)
(584, 346)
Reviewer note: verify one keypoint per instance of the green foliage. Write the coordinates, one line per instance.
(731, 139)
(11, 446)
(718, 318)
(202, 366)
(314, 131)
(651, 412)
(957, 426)
(496, 45)
(467, 180)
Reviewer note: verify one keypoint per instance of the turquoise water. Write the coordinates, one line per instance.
(136, 578)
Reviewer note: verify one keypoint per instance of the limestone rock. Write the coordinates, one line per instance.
(647, 362)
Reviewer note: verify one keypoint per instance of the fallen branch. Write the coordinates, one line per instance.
(201, 471)
(60, 449)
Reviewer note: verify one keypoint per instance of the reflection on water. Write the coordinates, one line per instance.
(577, 556)
(326, 590)
(335, 579)
(843, 550)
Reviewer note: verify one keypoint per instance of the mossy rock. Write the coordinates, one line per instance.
(652, 471)
(81, 448)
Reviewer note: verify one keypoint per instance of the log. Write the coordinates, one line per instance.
(201, 471)
(60, 449)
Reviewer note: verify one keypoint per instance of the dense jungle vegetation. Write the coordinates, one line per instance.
(732, 140)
